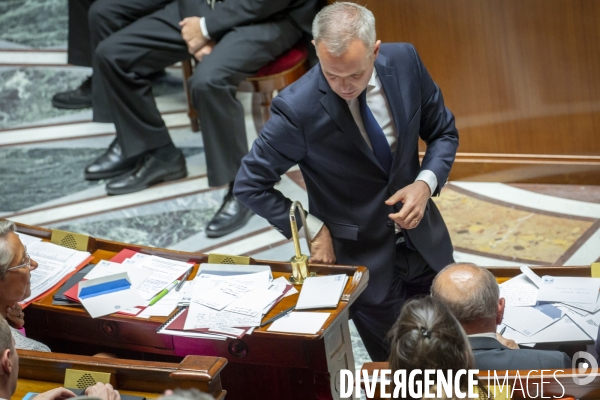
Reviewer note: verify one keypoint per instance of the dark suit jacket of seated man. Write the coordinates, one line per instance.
(312, 125)
(473, 296)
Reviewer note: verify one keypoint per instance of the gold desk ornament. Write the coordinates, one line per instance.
(299, 261)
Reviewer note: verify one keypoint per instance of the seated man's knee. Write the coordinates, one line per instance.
(204, 80)
(106, 52)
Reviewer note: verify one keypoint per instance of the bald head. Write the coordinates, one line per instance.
(471, 292)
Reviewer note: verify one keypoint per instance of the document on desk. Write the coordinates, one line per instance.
(589, 324)
(528, 320)
(309, 323)
(164, 272)
(253, 303)
(108, 295)
(564, 330)
(165, 306)
(224, 294)
(26, 239)
(321, 292)
(569, 289)
(54, 264)
(519, 291)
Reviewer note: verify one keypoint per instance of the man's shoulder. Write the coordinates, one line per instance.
(305, 87)
(504, 358)
(398, 50)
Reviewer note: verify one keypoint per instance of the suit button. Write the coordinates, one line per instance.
(390, 223)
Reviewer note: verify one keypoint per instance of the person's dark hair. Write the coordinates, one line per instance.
(428, 336)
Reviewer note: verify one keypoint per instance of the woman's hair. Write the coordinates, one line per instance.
(427, 336)
(6, 254)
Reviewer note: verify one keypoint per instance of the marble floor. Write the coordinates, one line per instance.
(43, 151)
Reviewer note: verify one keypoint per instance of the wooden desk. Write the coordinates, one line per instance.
(39, 372)
(566, 390)
(263, 365)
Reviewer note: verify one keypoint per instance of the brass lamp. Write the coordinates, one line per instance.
(299, 261)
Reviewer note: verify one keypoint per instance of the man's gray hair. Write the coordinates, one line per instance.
(339, 24)
(6, 342)
(6, 254)
(479, 300)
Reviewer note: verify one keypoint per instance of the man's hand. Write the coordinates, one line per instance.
(55, 394)
(192, 34)
(15, 315)
(414, 197)
(322, 248)
(511, 344)
(103, 390)
(206, 50)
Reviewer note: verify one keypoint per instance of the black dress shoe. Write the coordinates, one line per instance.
(232, 216)
(110, 164)
(149, 171)
(75, 99)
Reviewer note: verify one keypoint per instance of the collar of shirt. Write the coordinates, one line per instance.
(373, 84)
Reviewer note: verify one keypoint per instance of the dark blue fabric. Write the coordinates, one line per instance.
(381, 147)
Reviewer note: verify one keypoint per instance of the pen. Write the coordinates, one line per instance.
(275, 318)
(183, 279)
(163, 293)
(502, 330)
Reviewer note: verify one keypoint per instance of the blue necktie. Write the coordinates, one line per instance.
(381, 148)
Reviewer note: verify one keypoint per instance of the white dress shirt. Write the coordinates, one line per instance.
(380, 108)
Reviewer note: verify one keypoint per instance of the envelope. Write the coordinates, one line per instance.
(108, 294)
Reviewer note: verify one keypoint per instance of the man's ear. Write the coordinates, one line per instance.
(500, 313)
(6, 362)
(376, 48)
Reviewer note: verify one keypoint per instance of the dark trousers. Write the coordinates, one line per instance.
(154, 42)
(79, 51)
(412, 277)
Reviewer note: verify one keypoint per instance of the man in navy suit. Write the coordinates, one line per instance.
(352, 124)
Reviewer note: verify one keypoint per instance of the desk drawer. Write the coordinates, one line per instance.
(134, 335)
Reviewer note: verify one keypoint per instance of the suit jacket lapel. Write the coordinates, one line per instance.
(391, 88)
(338, 110)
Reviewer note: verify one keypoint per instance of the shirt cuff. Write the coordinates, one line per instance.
(314, 227)
(203, 28)
(429, 178)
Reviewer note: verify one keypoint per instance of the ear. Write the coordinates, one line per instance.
(376, 48)
(500, 314)
(6, 362)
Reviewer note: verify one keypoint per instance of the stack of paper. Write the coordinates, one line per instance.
(55, 264)
(321, 292)
(133, 284)
(550, 309)
(228, 301)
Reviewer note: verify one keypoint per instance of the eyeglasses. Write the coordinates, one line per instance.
(27, 263)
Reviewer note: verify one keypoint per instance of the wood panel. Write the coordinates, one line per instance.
(522, 77)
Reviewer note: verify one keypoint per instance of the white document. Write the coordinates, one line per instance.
(54, 263)
(569, 289)
(164, 272)
(589, 324)
(224, 294)
(321, 292)
(200, 317)
(309, 323)
(109, 303)
(26, 239)
(533, 277)
(564, 330)
(526, 320)
(164, 307)
(104, 268)
(254, 302)
(519, 291)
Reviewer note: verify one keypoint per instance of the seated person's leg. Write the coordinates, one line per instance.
(213, 86)
(143, 152)
(89, 23)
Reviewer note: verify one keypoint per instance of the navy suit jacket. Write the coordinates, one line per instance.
(312, 126)
(490, 354)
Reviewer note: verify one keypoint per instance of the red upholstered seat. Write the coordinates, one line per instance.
(286, 61)
(275, 76)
